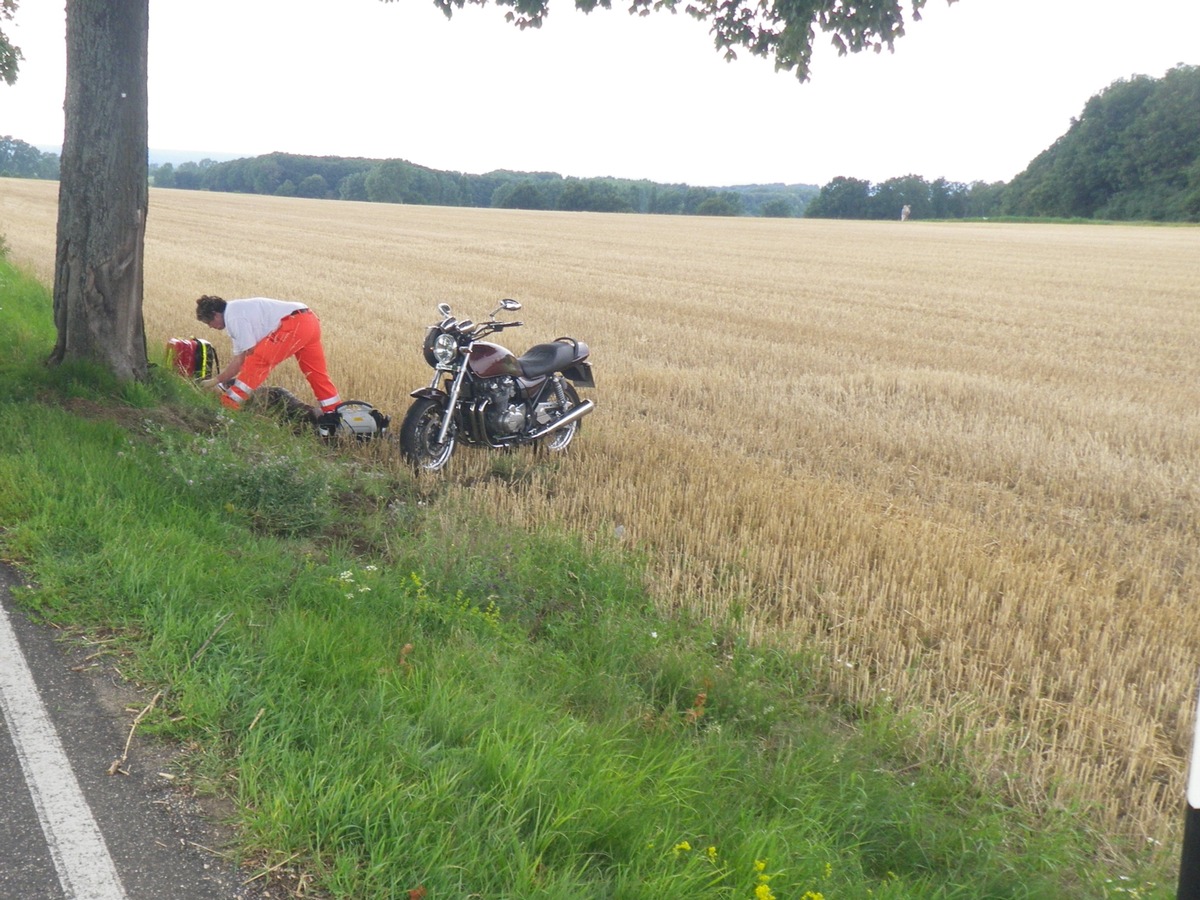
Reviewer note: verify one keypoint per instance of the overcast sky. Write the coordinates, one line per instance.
(973, 92)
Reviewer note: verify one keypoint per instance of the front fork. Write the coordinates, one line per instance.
(452, 403)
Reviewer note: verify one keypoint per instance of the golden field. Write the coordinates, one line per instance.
(957, 460)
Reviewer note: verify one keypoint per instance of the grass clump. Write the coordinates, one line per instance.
(407, 696)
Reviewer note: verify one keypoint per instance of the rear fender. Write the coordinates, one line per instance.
(581, 374)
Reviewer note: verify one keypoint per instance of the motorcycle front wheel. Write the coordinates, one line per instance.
(419, 436)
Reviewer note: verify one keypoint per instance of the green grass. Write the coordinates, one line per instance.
(400, 694)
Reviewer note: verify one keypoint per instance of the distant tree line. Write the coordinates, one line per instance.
(1134, 154)
(852, 198)
(400, 181)
(21, 160)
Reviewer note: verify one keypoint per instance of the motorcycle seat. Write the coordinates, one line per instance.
(542, 359)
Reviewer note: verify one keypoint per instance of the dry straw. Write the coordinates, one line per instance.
(960, 460)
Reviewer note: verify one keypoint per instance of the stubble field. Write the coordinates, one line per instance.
(957, 460)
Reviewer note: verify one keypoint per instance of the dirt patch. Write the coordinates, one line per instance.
(197, 420)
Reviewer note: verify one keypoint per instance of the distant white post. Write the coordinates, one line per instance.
(1189, 863)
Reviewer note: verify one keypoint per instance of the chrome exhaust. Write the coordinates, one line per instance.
(581, 410)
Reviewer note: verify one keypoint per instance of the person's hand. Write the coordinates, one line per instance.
(211, 384)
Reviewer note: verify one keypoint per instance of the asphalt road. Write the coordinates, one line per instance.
(68, 829)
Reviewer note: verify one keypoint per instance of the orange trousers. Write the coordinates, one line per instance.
(298, 335)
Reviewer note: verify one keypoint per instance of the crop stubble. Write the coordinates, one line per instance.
(959, 460)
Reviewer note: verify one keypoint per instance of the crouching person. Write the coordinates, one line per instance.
(264, 333)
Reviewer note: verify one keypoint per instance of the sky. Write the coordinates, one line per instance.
(973, 92)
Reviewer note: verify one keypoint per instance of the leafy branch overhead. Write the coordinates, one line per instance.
(779, 29)
(10, 56)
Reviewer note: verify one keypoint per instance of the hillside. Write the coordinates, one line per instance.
(1134, 153)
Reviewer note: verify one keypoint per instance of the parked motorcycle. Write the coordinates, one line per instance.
(484, 395)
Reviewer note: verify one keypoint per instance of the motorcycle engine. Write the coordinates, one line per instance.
(503, 416)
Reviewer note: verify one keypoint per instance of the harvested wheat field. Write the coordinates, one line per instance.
(958, 460)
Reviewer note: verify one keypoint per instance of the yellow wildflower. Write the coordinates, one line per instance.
(764, 892)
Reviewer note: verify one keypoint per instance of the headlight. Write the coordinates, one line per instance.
(439, 348)
(445, 348)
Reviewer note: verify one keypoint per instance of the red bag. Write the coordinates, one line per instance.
(193, 357)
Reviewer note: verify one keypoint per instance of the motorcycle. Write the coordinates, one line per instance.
(484, 395)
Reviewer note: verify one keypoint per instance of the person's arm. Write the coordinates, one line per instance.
(227, 374)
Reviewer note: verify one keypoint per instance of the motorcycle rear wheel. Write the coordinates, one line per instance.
(558, 441)
(419, 436)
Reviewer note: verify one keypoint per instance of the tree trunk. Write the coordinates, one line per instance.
(103, 194)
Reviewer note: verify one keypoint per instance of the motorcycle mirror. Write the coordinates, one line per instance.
(444, 309)
(510, 305)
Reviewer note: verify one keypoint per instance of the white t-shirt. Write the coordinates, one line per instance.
(249, 321)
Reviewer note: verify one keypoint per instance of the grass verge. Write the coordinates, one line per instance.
(404, 697)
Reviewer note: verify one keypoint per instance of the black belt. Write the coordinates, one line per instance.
(298, 312)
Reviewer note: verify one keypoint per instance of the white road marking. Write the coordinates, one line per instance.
(85, 868)
(1193, 783)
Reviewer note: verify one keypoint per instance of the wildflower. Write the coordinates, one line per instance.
(813, 895)
(828, 870)
(763, 890)
(682, 847)
(371, 568)
(712, 854)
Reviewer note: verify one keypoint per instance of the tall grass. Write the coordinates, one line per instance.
(408, 694)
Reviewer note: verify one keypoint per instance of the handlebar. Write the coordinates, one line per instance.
(480, 329)
(485, 328)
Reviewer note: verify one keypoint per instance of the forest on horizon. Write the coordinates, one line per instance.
(1132, 155)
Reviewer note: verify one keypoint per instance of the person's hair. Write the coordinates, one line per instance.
(208, 306)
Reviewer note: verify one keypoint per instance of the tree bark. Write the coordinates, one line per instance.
(103, 193)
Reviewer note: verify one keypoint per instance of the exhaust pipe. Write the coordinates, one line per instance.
(581, 410)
